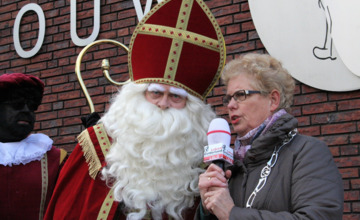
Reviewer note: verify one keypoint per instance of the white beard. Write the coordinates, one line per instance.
(155, 156)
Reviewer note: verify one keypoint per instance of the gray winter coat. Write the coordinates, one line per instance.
(304, 183)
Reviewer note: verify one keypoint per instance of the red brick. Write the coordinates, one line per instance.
(72, 121)
(51, 123)
(355, 183)
(224, 20)
(58, 46)
(356, 207)
(46, 116)
(334, 151)
(44, 107)
(303, 121)
(338, 128)
(56, 80)
(349, 172)
(350, 104)
(53, 132)
(57, 105)
(355, 138)
(351, 217)
(69, 112)
(76, 129)
(231, 29)
(68, 147)
(215, 100)
(246, 26)
(98, 108)
(217, 3)
(232, 39)
(4, 9)
(335, 139)
(50, 72)
(349, 150)
(241, 47)
(351, 196)
(123, 23)
(310, 98)
(311, 131)
(319, 108)
(344, 95)
(241, 17)
(348, 161)
(64, 53)
(112, 89)
(64, 139)
(123, 32)
(219, 91)
(222, 110)
(245, 6)
(17, 62)
(336, 117)
(68, 95)
(74, 103)
(62, 87)
(221, 11)
(346, 184)
(296, 111)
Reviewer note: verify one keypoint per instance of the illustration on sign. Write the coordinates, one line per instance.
(317, 41)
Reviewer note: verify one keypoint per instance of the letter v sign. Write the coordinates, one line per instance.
(139, 12)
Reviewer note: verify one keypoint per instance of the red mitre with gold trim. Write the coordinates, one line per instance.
(178, 43)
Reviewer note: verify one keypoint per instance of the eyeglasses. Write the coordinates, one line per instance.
(238, 96)
(19, 104)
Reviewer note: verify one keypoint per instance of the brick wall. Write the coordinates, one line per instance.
(331, 116)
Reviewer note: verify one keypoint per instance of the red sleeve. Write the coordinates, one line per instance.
(76, 194)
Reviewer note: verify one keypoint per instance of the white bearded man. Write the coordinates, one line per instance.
(155, 159)
(142, 160)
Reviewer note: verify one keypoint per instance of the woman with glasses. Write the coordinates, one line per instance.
(277, 172)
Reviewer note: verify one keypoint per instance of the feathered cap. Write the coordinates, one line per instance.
(178, 43)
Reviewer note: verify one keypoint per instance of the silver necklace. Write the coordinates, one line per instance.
(265, 172)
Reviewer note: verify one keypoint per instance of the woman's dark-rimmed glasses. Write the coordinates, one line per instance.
(238, 96)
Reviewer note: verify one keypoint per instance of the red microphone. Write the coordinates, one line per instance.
(218, 150)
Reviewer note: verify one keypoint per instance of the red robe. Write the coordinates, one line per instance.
(80, 193)
(25, 190)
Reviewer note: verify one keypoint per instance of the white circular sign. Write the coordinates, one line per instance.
(301, 35)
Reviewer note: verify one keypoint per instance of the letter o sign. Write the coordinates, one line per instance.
(37, 9)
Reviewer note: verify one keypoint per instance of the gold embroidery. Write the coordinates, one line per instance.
(44, 184)
(173, 59)
(88, 148)
(183, 35)
(103, 139)
(221, 46)
(89, 153)
(106, 206)
(180, 33)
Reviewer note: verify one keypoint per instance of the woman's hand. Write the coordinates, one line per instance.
(213, 185)
(219, 202)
